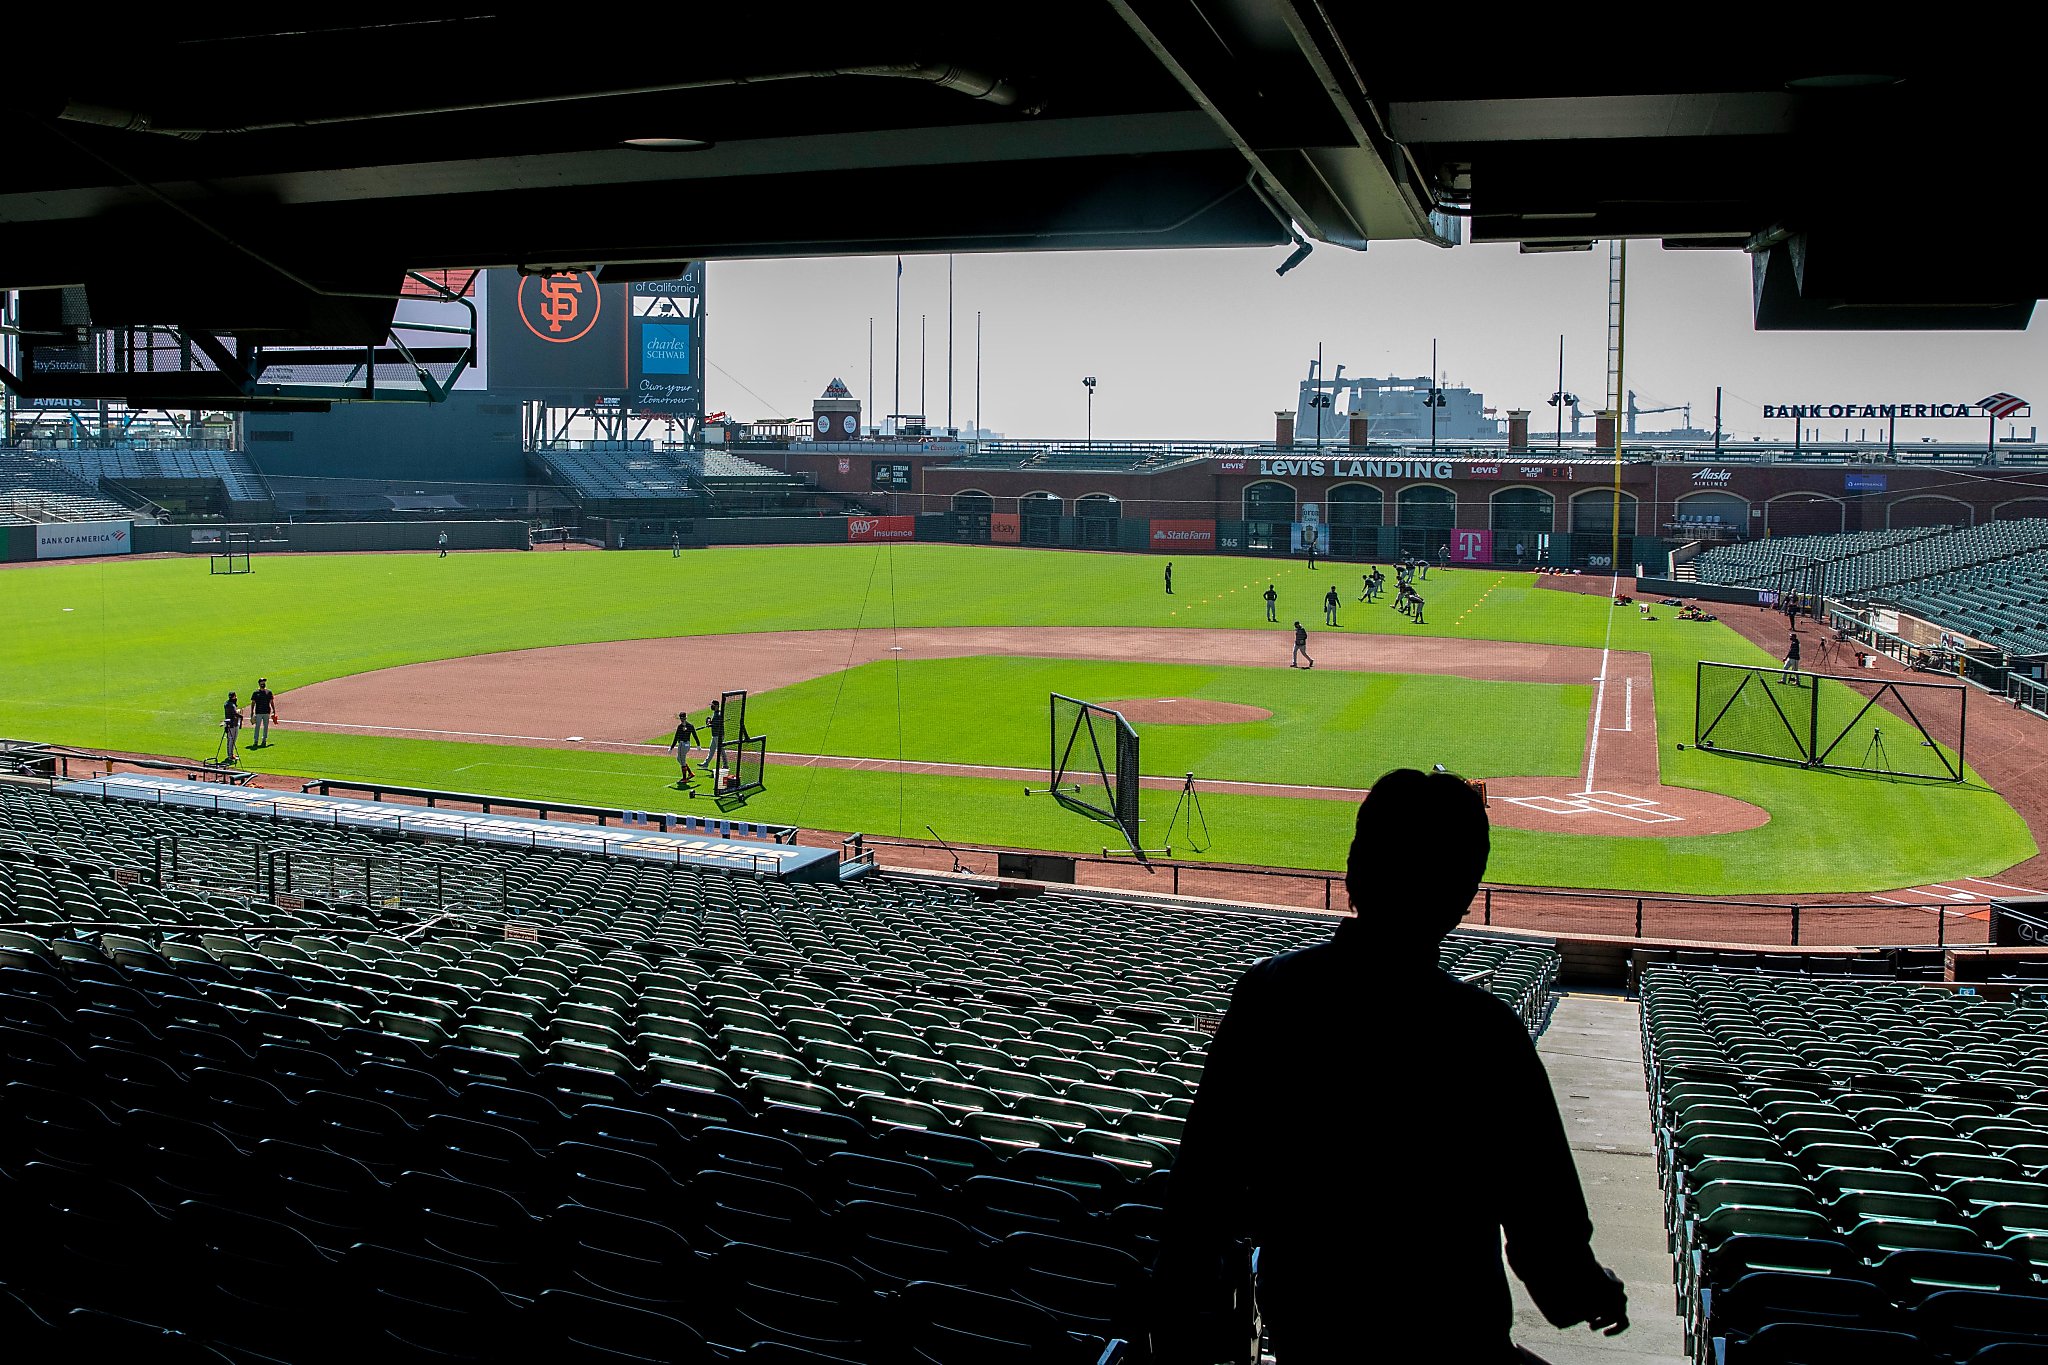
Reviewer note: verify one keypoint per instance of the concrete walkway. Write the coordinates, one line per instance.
(1593, 1051)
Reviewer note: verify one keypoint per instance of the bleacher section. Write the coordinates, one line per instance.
(611, 474)
(713, 467)
(37, 488)
(1989, 581)
(1764, 562)
(532, 1106)
(606, 473)
(231, 469)
(1853, 1171)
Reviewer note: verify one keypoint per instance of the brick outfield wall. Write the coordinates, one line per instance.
(1783, 499)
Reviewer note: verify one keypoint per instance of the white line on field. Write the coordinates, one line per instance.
(1600, 696)
(1888, 900)
(1628, 708)
(2024, 890)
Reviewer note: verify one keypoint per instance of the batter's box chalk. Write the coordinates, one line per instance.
(1551, 805)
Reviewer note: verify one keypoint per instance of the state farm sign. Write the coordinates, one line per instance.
(1183, 535)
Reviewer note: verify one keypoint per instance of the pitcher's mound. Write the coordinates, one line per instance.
(1183, 711)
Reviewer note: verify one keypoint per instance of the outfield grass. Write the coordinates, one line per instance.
(138, 655)
(1327, 727)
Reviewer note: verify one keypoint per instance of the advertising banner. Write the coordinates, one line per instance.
(70, 539)
(666, 346)
(561, 337)
(1306, 535)
(1471, 547)
(1185, 536)
(1864, 483)
(866, 530)
(1005, 528)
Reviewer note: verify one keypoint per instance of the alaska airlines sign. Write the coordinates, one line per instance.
(1359, 469)
(1993, 405)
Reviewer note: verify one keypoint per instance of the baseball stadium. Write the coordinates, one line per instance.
(498, 863)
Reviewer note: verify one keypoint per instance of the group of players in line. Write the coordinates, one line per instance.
(1372, 587)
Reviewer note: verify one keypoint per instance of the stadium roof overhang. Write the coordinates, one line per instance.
(271, 180)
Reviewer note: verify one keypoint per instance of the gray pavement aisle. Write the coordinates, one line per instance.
(1593, 1052)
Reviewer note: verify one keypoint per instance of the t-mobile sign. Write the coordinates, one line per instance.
(1471, 547)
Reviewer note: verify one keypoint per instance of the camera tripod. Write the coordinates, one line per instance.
(1186, 811)
(1875, 759)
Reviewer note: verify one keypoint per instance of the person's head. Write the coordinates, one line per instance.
(263, 682)
(1297, 625)
(1418, 853)
(682, 715)
(231, 696)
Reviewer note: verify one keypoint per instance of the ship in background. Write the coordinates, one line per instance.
(1397, 411)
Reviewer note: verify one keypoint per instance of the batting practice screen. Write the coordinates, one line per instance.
(1895, 726)
(1094, 763)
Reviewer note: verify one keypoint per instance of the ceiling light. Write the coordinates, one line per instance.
(667, 144)
(1846, 80)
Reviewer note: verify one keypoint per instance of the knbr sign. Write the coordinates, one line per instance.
(1471, 547)
(71, 539)
(870, 529)
(1183, 535)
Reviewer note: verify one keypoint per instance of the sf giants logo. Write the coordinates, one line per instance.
(560, 308)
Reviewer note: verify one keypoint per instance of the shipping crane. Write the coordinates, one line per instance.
(1635, 412)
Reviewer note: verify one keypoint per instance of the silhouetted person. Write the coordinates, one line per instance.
(1272, 597)
(1374, 1126)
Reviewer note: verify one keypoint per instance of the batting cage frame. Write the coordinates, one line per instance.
(1794, 717)
(236, 555)
(748, 768)
(1077, 764)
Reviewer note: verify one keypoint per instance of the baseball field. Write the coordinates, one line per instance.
(905, 686)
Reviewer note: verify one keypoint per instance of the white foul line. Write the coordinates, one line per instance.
(1628, 708)
(2000, 885)
(1600, 696)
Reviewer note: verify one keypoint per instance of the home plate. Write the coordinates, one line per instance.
(1639, 809)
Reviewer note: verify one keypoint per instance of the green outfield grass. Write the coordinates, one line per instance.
(1327, 727)
(137, 655)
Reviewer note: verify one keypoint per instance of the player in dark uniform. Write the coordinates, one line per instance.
(262, 711)
(1272, 597)
(1301, 647)
(1330, 606)
(716, 725)
(684, 741)
(1169, 578)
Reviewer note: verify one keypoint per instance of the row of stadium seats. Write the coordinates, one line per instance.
(232, 469)
(1764, 562)
(702, 1117)
(38, 488)
(1852, 1170)
(1117, 952)
(1989, 581)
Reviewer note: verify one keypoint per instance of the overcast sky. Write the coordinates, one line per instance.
(1209, 343)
